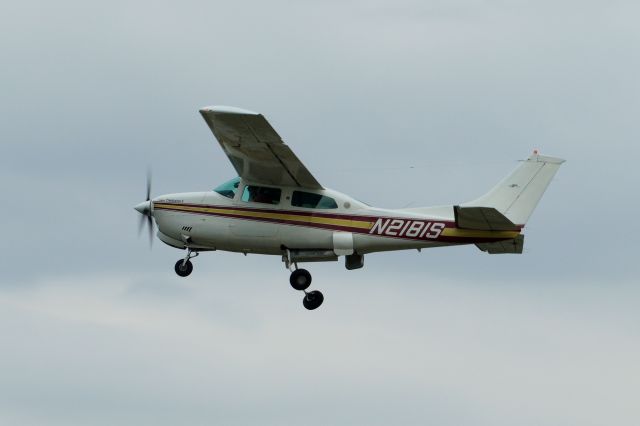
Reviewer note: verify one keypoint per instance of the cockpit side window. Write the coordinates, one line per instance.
(261, 194)
(312, 201)
(229, 188)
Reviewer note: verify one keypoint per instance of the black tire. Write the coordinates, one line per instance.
(313, 300)
(183, 269)
(300, 279)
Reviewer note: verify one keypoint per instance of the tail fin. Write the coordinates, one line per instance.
(518, 194)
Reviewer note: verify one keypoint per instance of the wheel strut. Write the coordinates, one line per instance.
(190, 255)
(286, 258)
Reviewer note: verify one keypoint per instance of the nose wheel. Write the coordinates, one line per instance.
(300, 280)
(184, 267)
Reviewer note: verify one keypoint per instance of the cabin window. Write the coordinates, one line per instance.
(229, 188)
(312, 201)
(261, 194)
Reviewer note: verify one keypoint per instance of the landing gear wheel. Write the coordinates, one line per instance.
(300, 279)
(183, 268)
(313, 300)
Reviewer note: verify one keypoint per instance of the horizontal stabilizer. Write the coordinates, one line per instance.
(501, 247)
(482, 218)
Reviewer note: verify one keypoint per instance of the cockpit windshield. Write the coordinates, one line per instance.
(229, 188)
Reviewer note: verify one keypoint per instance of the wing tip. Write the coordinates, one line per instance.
(222, 109)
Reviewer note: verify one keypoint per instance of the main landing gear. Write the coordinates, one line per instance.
(184, 267)
(300, 280)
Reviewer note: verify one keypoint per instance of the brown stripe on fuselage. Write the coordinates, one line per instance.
(360, 224)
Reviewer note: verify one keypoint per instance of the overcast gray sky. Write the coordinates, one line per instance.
(394, 102)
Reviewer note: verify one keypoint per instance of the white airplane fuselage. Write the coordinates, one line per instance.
(210, 221)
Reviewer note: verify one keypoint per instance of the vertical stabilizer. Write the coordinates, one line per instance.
(518, 194)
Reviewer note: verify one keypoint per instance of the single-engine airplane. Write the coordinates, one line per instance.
(275, 206)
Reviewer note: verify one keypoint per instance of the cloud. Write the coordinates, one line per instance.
(96, 350)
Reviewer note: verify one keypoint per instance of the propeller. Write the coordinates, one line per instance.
(146, 210)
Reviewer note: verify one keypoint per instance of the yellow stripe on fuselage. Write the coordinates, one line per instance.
(361, 224)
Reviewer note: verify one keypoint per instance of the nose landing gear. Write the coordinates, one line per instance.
(184, 267)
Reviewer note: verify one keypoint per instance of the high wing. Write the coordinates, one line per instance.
(255, 149)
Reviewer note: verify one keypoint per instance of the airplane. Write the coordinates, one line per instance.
(276, 207)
